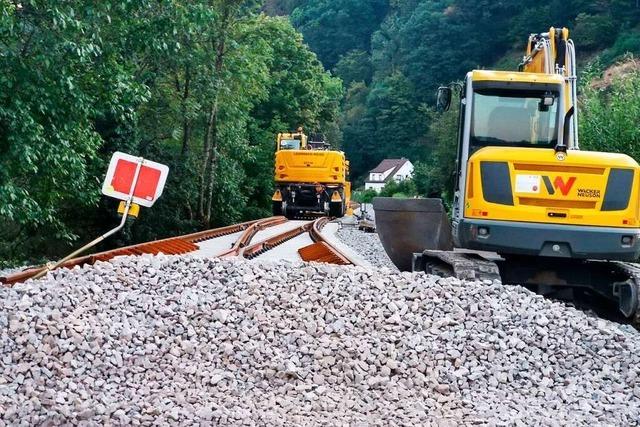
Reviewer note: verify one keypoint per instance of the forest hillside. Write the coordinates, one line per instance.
(200, 86)
(203, 86)
(392, 55)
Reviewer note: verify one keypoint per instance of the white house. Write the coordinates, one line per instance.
(388, 169)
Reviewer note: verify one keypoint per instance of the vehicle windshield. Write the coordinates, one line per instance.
(289, 144)
(518, 118)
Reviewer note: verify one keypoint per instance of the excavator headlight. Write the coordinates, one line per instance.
(483, 231)
(627, 240)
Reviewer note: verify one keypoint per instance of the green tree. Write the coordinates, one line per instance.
(58, 80)
(594, 31)
(389, 125)
(609, 116)
(335, 27)
(355, 66)
(434, 176)
(358, 129)
(402, 189)
(201, 86)
(364, 196)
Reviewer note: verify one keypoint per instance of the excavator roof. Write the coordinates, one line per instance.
(515, 76)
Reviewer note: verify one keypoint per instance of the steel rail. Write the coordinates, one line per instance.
(248, 234)
(322, 250)
(261, 247)
(171, 246)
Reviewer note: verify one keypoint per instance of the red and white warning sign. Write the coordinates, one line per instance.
(122, 172)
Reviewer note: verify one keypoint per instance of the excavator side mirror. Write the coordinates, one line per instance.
(443, 99)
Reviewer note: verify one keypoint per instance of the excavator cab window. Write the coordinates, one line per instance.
(516, 118)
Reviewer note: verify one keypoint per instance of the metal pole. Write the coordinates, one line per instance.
(129, 200)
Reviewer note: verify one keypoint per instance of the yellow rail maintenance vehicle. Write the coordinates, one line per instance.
(310, 178)
(529, 206)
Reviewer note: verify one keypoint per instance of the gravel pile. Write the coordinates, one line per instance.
(155, 340)
(367, 245)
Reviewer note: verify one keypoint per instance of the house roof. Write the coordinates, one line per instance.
(387, 164)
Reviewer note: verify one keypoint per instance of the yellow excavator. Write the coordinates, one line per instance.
(310, 177)
(529, 207)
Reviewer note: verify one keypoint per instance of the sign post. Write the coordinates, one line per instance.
(131, 179)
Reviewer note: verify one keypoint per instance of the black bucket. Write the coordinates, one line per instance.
(408, 226)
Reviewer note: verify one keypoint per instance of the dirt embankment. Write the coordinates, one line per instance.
(615, 72)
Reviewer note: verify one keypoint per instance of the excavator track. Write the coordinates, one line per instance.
(464, 265)
(633, 272)
(616, 282)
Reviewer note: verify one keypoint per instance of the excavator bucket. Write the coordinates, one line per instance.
(408, 226)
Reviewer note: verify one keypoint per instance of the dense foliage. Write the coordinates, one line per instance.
(610, 110)
(204, 85)
(201, 86)
(417, 45)
(402, 189)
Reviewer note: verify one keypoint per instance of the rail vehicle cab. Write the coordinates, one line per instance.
(310, 178)
(292, 141)
(522, 185)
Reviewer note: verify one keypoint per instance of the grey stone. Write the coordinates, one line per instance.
(180, 340)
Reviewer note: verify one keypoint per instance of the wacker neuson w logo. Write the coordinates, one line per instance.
(530, 184)
(558, 184)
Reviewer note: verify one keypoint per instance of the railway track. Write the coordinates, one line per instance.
(242, 236)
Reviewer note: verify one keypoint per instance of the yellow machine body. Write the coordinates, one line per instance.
(309, 177)
(134, 210)
(529, 206)
(544, 187)
(525, 187)
(540, 188)
(310, 166)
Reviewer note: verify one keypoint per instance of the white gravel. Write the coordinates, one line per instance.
(157, 340)
(367, 245)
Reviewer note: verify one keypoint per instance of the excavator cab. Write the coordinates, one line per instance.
(521, 175)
